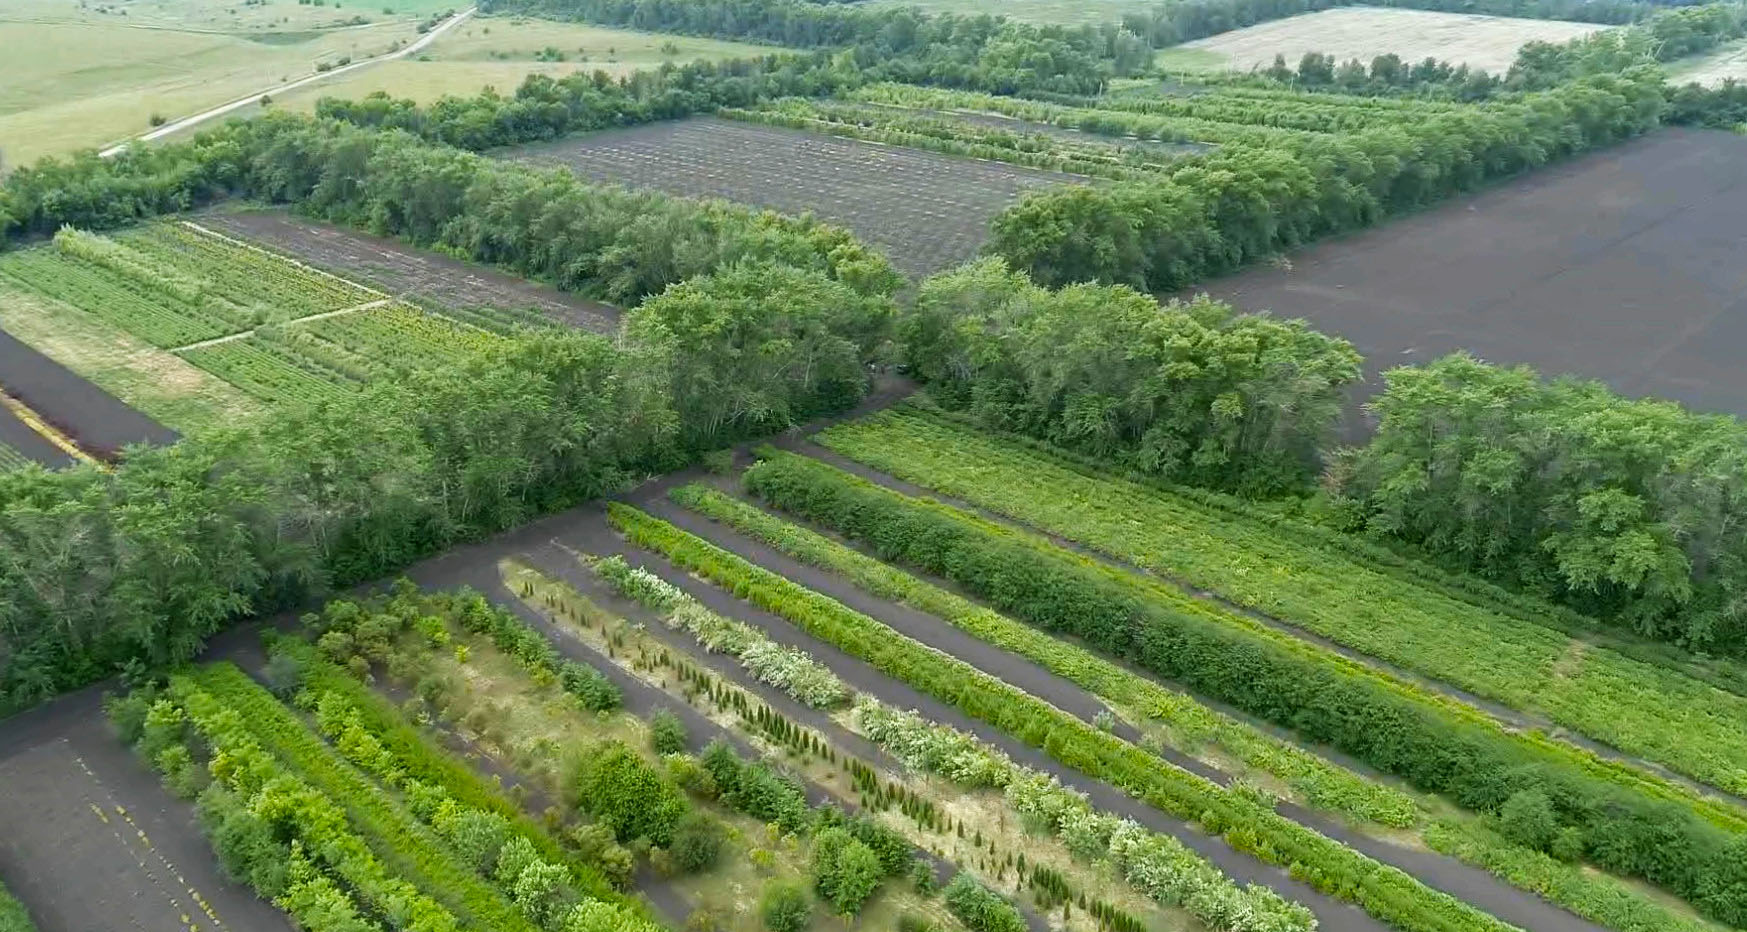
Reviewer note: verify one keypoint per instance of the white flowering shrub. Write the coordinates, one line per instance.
(638, 583)
(925, 746)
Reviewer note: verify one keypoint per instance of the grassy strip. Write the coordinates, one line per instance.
(395, 836)
(1389, 894)
(13, 918)
(1324, 785)
(1438, 744)
(1594, 896)
(418, 759)
(1642, 708)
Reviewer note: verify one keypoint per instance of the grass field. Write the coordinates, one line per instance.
(80, 85)
(500, 53)
(1714, 67)
(1488, 42)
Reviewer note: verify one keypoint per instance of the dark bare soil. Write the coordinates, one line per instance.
(927, 211)
(16, 434)
(96, 420)
(419, 275)
(89, 840)
(1625, 266)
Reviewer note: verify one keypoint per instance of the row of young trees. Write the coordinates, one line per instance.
(143, 562)
(1242, 203)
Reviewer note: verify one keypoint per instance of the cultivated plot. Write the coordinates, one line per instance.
(418, 275)
(1488, 42)
(927, 211)
(1623, 266)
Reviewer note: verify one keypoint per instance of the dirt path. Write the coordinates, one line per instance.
(176, 126)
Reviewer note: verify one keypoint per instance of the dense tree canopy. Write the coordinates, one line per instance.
(1626, 509)
(1191, 391)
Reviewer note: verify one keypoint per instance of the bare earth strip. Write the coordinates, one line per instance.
(89, 839)
(928, 211)
(1488, 42)
(419, 275)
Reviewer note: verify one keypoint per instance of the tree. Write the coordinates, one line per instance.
(666, 733)
(785, 907)
(981, 909)
(845, 871)
(697, 842)
(623, 792)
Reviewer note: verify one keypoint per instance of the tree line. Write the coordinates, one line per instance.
(1214, 213)
(746, 321)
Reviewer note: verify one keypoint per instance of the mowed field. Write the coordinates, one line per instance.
(927, 211)
(1722, 63)
(196, 327)
(1623, 266)
(502, 52)
(1488, 42)
(83, 85)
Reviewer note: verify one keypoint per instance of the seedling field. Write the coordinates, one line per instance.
(928, 211)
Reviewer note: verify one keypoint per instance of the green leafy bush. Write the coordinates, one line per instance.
(666, 732)
(844, 871)
(616, 786)
(785, 907)
(697, 842)
(981, 909)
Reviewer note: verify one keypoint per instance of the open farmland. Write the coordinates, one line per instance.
(1727, 61)
(501, 52)
(424, 277)
(1485, 42)
(1622, 266)
(927, 211)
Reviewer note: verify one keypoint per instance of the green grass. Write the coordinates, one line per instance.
(1179, 58)
(1071, 12)
(502, 52)
(1659, 714)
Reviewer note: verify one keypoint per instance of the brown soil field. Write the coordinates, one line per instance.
(409, 273)
(1488, 42)
(1624, 266)
(93, 418)
(927, 211)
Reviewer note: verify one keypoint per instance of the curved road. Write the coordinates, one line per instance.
(186, 122)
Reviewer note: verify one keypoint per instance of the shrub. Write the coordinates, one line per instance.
(785, 907)
(981, 909)
(1528, 819)
(697, 843)
(845, 871)
(624, 793)
(666, 733)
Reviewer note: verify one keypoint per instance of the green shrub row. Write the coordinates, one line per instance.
(404, 844)
(1344, 705)
(316, 819)
(1324, 785)
(1389, 894)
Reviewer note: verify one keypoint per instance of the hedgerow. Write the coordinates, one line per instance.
(786, 668)
(1324, 784)
(1324, 698)
(1387, 893)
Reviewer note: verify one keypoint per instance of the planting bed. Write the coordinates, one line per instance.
(1623, 266)
(92, 417)
(928, 211)
(418, 275)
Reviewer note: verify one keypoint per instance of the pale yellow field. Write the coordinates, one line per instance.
(1725, 61)
(70, 86)
(502, 52)
(1488, 42)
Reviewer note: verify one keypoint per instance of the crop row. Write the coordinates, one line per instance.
(259, 370)
(281, 288)
(279, 794)
(408, 847)
(1095, 120)
(1385, 892)
(1654, 712)
(1157, 865)
(152, 315)
(1436, 744)
(1191, 724)
(1587, 893)
(415, 759)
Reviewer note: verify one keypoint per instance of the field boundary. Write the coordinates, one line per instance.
(245, 334)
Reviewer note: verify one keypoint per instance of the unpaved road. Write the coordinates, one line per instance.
(176, 126)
